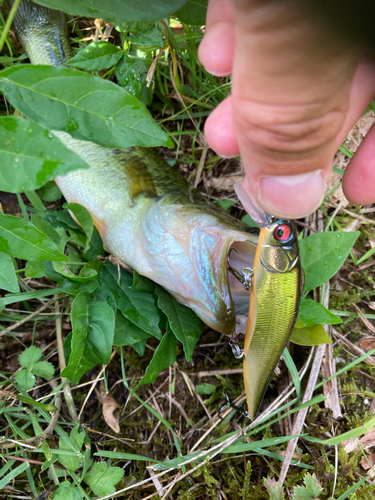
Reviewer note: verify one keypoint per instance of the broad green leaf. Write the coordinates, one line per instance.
(131, 75)
(31, 155)
(84, 218)
(312, 313)
(225, 204)
(95, 246)
(137, 306)
(8, 277)
(87, 273)
(46, 228)
(126, 332)
(142, 283)
(25, 380)
(74, 444)
(102, 479)
(249, 221)
(117, 10)
(20, 238)
(140, 347)
(164, 356)
(184, 323)
(86, 106)
(30, 356)
(96, 56)
(205, 388)
(43, 369)
(67, 491)
(322, 255)
(93, 328)
(50, 192)
(193, 12)
(73, 288)
(151, 37)
(35, 269)
(309, 336)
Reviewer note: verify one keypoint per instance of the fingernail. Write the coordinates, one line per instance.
(292, 196)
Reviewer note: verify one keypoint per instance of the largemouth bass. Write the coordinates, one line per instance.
(146, 213)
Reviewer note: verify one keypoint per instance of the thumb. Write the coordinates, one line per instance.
(290, 93)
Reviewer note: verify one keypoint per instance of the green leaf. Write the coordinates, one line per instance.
(43, 369)
(193, 12)
(225, 204)
(13, 474)
(137, 306)
(164, 356)
(142, 283)
(74, 443)
(67, 491)
(123, 456)
(50, 192)
(117, 10)
(84, 218)
(311, 492)
(309, 336)
(31, 155)
(184, 323)
(93, 329)
(34, 269)
(46, 228)
(352, 434)
(322, 255)
(274, 489)
(30, 356)
(312, 313)
(102, 479)
(96, 56)
(86, 106)
(131, 75)
(25, 380)
(86, 273)
(205, 388)
(249, 221)
(23, 240)
(8, 277)
(150, 37)
(126, 332)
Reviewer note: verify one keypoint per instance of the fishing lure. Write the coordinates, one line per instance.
(275, 280)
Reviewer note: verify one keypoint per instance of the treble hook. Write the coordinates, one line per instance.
(246, 274)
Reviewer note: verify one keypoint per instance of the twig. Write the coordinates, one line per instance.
(297, 427)
(158, 486)
(25, 320)
(369, 325)
(62, 364)
(330, 389)
(370, 360)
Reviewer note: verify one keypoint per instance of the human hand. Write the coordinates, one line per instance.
(297, 89)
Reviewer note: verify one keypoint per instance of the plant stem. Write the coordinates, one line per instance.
(60, 349)
(8, 23)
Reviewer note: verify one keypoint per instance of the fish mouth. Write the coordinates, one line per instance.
(226, 297)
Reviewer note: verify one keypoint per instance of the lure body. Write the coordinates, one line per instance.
(274, 302)
(146, 213)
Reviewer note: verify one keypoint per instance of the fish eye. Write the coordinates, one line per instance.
(283, 232)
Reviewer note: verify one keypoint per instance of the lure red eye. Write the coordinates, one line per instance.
(283, 232)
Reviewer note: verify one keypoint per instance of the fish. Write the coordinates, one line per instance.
(147, 214)
(276, 285)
